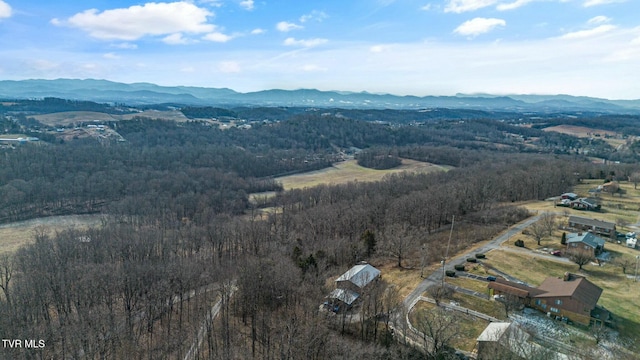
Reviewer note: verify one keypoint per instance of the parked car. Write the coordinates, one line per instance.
(491, 278)
(556, 253)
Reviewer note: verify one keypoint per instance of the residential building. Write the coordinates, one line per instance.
(351, 284)
(503, 340)
(585, 242)
(572, 297)
(599, 227)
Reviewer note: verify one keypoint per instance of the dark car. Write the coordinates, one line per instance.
(491, 278)
(556, 253)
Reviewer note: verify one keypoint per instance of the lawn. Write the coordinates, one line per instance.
(467, 283)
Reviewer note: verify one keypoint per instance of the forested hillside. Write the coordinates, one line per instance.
(180, 235)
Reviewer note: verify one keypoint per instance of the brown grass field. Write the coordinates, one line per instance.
(348, 171)
(15, 235)
(71, 117)
(613, 138)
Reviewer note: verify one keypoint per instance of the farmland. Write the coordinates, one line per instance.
(349, 170)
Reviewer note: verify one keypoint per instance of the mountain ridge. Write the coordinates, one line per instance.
(143, 93)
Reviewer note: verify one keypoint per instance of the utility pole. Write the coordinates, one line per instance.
(635, 278)
(453, 218)
(424, 255)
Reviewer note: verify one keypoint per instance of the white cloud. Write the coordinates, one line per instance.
(247, 4)
(426, 7)
(125, 45)
(314, 15)
(514, 5)
(138, 21)
(5, 10)
(229, 67)
(460, 6)
(258, 31)
(589, 3)
(583, 34)
(304, 43)
(479, 26)
(218, 37)
(285, 26)
(599, 20)
(111, 56)
(175, 39)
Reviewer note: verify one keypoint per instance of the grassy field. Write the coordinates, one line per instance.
(348, 171)
(13, 136)
(612, 138)
(72, 117)
(15, 235)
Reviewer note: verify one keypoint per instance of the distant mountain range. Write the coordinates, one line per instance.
(146, 94)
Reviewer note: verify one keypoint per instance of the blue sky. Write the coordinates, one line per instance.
(418, 47)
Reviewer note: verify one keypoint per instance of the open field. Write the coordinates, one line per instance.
(15, 235)
(349, 170)
(13, 136)
(71, 117)
(614, 139)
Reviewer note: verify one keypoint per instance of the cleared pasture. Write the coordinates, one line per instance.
(348, 171)
(15, 235)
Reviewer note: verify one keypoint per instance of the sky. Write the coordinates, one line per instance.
(402, 47)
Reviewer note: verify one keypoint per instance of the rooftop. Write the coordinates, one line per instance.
(575, 286)
(360, 275)
(346, 296)
(586, 238)
(591, 222)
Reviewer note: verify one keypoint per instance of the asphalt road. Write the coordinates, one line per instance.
(436, 277)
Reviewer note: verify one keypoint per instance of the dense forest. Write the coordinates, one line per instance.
(180, 236)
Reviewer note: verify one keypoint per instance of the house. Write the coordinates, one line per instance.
(357, 278)
(572, 297)
(569, 196)
(351, 284)
(582, 204)
(503, 340)
(600, 227)
(585, 242)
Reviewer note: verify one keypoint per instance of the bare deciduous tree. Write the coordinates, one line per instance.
(439, 329)
(581, 257)
(543, 227)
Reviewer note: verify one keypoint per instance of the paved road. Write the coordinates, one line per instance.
(436, 277)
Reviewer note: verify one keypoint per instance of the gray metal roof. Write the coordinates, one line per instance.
(587, 238)
(344, 295)
(360, 275)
